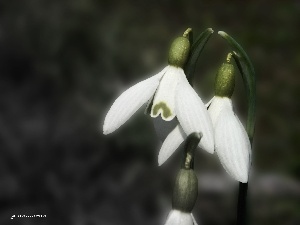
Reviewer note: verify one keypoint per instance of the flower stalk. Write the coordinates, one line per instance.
(196, 50)
(190, 145)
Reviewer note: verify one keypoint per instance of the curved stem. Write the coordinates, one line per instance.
(190, 145)
(196, 49)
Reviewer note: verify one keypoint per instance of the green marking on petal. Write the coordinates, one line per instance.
(165, 109)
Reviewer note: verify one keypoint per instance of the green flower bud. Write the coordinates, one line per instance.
(185, 191)
(179, 51)
(225, 79)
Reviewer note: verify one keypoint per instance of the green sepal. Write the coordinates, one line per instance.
(195, 52)
(185, 191)
(247, 71)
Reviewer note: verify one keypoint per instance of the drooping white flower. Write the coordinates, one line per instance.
(130, 101)
(232, 144)
(177, 217)
(172, 97)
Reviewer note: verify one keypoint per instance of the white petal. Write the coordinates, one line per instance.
(172, 142)
(194, 221)
(163, 128)
(192, 114)
(177, 217)
(232, 144)
(164, 99)
(216, 106)
(130, 101)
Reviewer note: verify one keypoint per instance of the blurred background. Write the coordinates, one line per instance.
(63, 63)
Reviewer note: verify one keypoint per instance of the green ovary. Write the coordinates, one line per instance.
(166, 112)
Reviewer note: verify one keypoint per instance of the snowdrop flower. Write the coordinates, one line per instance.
(232, 144)
(186, 187)
(171, 96)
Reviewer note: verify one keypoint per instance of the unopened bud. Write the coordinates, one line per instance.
(185, 190)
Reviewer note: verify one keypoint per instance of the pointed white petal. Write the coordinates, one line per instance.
(232, 144)
(208, 104)
(163, 128)
(130, 101)
(216, 106)
(194, 221)
(177, 217)
(172, 142)
(192, 114)
(164, 99)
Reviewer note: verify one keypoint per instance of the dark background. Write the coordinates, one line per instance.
(64, 62)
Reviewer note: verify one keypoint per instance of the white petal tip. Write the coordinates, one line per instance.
(161, 159)
(106, 130)
(171, 143)
(210, 149)
(240, 174)
(243, 179)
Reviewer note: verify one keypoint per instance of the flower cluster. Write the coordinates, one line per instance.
(171, 97)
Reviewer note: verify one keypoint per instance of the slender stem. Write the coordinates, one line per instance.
(190, 145)
(187, 32)
(242, 203)
(197, 47)
(228, 59)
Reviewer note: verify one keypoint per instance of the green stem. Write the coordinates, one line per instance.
(250, 84)
(190, 145)
(196, 49)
